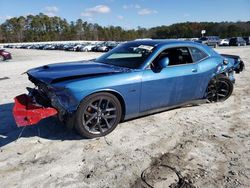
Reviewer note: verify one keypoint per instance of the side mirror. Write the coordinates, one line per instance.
(163, 63)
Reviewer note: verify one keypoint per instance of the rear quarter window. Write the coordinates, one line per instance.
(197, 54)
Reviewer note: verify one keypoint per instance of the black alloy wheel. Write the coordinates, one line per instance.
(219, 89)
(98, 115)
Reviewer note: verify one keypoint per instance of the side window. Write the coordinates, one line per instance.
(177, 56)
(197, 54)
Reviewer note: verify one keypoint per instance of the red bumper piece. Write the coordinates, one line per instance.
(26, 112)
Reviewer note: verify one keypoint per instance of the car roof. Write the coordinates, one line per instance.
(170, 43)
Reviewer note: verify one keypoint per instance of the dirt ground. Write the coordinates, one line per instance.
(202, 146)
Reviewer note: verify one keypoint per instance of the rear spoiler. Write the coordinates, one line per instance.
(238, 63)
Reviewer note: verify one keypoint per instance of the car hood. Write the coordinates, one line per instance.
(54, 73)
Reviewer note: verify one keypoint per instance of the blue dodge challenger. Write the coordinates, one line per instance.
(134, 79)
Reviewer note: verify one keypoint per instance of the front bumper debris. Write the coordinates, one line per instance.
(27, 112)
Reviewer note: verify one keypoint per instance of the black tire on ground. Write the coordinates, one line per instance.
(98, 115)
(219, 89)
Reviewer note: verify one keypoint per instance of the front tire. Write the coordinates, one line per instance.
(219, 89)
(98, 115)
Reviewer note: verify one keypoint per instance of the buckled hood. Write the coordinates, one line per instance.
(54, 73)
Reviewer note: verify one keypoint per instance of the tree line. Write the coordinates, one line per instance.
(35, 28)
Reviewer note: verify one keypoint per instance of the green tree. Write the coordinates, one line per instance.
(41, 27)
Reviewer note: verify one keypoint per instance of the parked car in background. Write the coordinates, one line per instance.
(224, 42)
(4, 55)
(102, 48)
(81, 46)
(41, 46)
(111, 45)
(96, 47)
(77, 47)
(210, 41)
(237, 41)
(134, 79)
(247, 39)
(105, 47)
(87, 48)
(69, 47)
(49, 47)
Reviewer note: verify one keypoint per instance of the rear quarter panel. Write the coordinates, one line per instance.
(207, 69)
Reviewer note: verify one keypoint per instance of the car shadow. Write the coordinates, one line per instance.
(49, 128)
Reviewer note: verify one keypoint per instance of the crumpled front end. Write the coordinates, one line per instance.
(40, 103)
(27, 112)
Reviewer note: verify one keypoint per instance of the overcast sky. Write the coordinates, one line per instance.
(131, 13)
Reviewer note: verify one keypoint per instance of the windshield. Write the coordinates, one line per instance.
(129, 55)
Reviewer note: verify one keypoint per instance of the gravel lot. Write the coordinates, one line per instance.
(208, 144)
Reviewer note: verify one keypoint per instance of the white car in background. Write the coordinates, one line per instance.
(224, 42)
(87, 48)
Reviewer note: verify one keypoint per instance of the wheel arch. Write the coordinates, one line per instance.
(117, 94)
(214, 77)
(121, 99)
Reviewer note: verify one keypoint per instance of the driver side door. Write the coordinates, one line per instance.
(173, 85)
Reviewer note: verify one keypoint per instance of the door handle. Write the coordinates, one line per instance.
(194, 70)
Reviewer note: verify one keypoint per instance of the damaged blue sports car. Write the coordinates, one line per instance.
(134, 79)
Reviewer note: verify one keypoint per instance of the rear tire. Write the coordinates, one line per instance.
(219, 89)
(98, 115)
